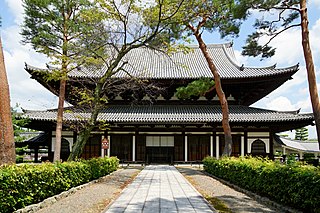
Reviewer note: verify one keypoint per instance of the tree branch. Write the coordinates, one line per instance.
(279, 32)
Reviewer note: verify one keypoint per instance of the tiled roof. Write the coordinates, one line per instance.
(298, 145)
(166, 114)
(147, 63)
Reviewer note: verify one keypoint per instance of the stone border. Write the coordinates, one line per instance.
(51, 200)
(255, 196)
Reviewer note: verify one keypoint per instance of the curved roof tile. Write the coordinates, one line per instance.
(147, 63)
(173, 114)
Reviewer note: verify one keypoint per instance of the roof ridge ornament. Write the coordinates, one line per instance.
(295, 112)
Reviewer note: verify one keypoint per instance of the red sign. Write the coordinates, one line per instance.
(105, 143)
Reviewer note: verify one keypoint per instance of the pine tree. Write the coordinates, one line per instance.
(289, 14)
(301, 134)
(222, 16)
(61, 29)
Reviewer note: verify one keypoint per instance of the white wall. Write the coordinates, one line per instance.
(68, 135)
(252, 136)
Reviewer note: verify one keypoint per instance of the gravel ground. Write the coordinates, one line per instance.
(236, 201)
(95, 197)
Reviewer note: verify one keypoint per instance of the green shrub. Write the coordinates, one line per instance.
(295, 185)
(27, 184)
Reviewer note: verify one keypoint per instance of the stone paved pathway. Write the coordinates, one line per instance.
(159, 188)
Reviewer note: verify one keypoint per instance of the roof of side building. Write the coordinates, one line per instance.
(304, 146)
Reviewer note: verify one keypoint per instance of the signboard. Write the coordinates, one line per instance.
(105, 143)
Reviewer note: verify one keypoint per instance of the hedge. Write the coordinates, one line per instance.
(22, 185)
(294, 185)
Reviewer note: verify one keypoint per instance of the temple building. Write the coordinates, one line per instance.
(159, 127)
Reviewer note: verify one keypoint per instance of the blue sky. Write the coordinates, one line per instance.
(290, 96)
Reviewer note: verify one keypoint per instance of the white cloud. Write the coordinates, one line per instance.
(314, 2)
(315, 38)
(281, 104)
(240, 58)
(288, 48)
(17, 9)
(304, 105)
(23, 90)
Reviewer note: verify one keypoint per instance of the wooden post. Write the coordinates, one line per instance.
(36, 154)
(242, 145)
(245, 137)
(211, 145)
(185, 148)
(217, 147)
(133, 148)
(102, 150)
(109, 138)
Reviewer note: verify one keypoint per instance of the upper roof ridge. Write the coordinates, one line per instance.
(227, 44)
(232, 58)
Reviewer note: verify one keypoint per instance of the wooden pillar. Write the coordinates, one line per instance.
(217, 147)
(36, 154)
(211, 145)
(245, 139)
(102, 150)
(271, 151)
(300, 155)
(108, 151)
(133, 148)
(50, 152)
(242, 145)
(185, 148)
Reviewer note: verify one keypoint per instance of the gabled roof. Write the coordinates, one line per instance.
(298, 145)
(175, 114)
(147, 63)
(39, 140)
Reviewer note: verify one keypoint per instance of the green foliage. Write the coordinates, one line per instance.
(64, 31)
(282, 15)
(301, 134)
(253, 48)
(27, 184)
(295, 185)
(195, 88)
(18, 124)
(222, 16)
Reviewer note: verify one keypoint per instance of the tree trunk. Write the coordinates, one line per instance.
(57, 145)
(7, 147)
(222, 98)
(310, 66)
(82, 139)
(84, 135)
(62, 90)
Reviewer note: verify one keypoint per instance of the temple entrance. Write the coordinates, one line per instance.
(198, 147)
(160, 155)
(121, 146)
(159, 149)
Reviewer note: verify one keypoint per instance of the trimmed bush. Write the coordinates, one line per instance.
(28, 184)
(294, 185)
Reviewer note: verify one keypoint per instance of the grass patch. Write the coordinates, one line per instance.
(219, 205)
